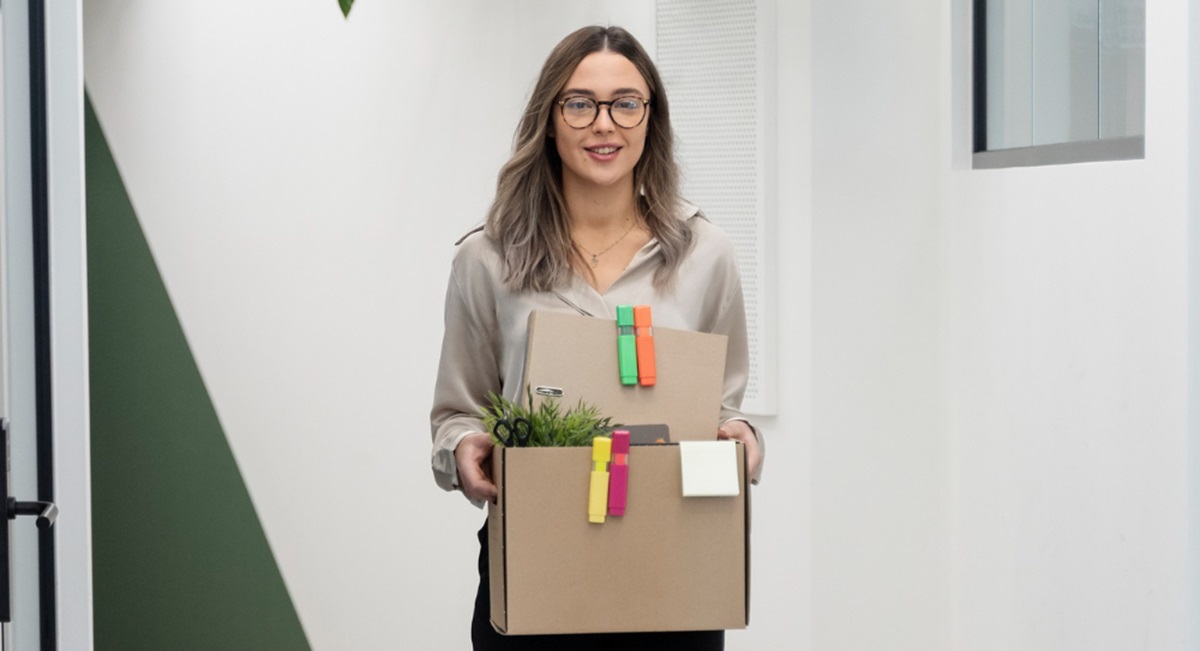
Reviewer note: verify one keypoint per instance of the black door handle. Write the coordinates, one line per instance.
(46, 512)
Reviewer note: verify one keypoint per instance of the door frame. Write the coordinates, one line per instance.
(47, 391)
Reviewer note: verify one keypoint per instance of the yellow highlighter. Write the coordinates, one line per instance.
(598, 497)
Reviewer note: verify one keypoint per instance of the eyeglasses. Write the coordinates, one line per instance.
(626, 112)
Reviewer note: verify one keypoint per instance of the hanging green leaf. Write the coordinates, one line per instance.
(345, 5)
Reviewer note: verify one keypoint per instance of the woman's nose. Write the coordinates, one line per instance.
(603, 121)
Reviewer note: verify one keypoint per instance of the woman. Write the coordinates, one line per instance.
(587, 216)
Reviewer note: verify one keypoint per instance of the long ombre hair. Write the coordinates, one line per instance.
(528, 217)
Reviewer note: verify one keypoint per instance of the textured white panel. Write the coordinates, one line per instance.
(717, 61)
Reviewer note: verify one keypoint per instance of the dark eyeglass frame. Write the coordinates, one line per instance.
(562, 110)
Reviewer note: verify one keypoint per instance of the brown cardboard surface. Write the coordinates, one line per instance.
(670, 563)
(496, 542)
(578, 354)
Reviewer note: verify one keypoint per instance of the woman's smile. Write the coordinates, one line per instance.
(603, 153)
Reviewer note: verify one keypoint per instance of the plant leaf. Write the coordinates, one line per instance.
(550, 426)
(345, 5)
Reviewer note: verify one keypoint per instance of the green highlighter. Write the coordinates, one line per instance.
(626, 345)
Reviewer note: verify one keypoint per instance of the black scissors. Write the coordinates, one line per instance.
(513, 433)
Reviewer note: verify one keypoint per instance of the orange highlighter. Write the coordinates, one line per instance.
(644, 335)
(598, 495)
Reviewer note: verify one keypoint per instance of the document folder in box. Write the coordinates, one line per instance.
(575, 357)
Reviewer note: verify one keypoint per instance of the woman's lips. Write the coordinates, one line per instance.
(603, 152)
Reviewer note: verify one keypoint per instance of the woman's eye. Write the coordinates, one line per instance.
(627, 104)
(578, 105)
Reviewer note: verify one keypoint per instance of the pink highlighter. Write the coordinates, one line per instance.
(618, 483)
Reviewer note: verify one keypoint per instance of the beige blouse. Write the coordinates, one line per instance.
(483, 348)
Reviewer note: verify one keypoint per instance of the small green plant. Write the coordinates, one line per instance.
(550, 426)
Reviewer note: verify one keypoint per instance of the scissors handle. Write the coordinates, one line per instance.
(514, 433)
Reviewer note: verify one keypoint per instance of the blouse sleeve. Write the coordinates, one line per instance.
(729, 319)
(467, 372)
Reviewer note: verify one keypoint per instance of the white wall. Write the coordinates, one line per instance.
(999, 392)
(1193, 394)
(1065, 296)
(781, 603)
(301, 180)
(880, 570)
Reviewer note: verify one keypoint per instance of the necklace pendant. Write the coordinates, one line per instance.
(595, 261)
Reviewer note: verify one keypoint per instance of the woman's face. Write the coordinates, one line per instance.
(602, 154)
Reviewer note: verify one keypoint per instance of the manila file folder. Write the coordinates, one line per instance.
(577, 356)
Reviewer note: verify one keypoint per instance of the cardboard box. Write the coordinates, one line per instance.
(670, 563)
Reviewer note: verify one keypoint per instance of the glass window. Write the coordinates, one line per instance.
(1052, 74)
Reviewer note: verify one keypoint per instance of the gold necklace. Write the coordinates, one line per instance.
(596, 256)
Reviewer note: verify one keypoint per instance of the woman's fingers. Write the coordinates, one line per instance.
(471, 455)
(740, 430)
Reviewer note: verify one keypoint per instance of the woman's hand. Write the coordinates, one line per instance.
(741, 431)
(474, 471)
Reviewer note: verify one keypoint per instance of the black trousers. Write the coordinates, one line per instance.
(484, 637)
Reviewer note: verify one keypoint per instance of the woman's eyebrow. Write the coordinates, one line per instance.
(620, 92)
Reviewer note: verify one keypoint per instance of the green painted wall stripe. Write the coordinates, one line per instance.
(180, 558)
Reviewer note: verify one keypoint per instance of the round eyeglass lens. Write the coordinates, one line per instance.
(625, 112)
(578, 112)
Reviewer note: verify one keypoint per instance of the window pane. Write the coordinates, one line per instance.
(1009, 74)
(1065, 71)
(1122, 68)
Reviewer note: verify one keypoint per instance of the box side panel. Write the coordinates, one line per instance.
(745, 474)
(496, 565)
(669, 564)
